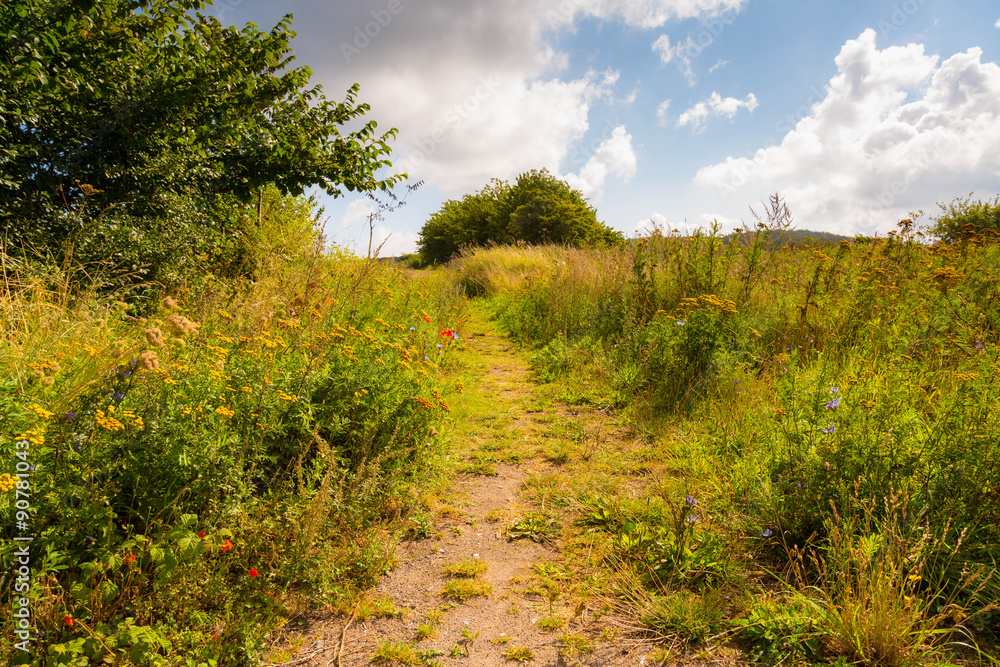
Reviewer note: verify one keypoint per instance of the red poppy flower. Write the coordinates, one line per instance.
(69, 621)
(215, 635)
(253, 572)
(426, 319)
(227, 545)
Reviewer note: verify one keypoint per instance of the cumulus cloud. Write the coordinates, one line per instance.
(467, 80)
(997, 24)
(661, 112)
(715, 106)
(614, 156)
(897, 130)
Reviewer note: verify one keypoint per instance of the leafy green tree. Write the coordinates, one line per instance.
(143, 107)
(963, 217)
(538, 208)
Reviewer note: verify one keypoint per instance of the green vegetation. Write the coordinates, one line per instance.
(538, 208)
(824, 415)
(198, 475)
(470, 568)
(134, 134)
(463, 589)
(966, 220)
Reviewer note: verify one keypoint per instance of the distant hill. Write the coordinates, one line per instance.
(798, 237)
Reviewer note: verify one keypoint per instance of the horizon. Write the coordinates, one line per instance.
(669, 112)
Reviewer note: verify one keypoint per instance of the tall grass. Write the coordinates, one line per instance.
(202, 465)
(811, 379)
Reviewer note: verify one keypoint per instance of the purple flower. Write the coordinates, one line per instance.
(800, 485)
(834, 390)
(828, 431)
(833, 405)
(693, 519)
(454, 335)
(767, 532)
(979, 344)
(690, 500)
(681, 323)
(69, 416)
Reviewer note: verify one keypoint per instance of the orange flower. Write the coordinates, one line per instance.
(227, 545)
(69, 621)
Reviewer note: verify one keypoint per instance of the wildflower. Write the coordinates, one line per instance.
(41, 412)
(800, 485)
(693, 519)
(253, 572)
(690, 500)
(69, 621)
(201, 535)
(426, 319)
(833, 405)
(227, 545)
(149, 360)
(831, 429)
(130, 559)
(834, 390)
(180, 325)
(680, 323)
(767, 532)
(154, 337)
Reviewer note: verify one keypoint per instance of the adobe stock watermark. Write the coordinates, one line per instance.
(363, 35)
(453, 118)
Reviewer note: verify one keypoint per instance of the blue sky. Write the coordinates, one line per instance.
(668, 112)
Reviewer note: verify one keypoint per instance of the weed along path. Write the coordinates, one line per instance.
(486, 578)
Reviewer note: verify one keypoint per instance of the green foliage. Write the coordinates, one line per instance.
(963, 219)
(801, 385)
(538, 208)
(128, 119)
(194, 467)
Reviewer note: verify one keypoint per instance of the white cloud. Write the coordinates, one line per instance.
(997, 24)
(716, 106)
(465, 81)
(718, 65)
(393, 243)
(655, 222)
(614, 156)
(682, 53)
(897, 130)
(661, 112)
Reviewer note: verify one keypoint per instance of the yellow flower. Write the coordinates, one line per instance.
(224, 411)
(40, 411)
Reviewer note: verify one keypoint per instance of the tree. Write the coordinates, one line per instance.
(538, 208)
(964, 217)
(135, 105)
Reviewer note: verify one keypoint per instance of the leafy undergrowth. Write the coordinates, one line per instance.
(819, 479)
(193, 478)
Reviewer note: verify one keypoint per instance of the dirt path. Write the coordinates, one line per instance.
(511, 439)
